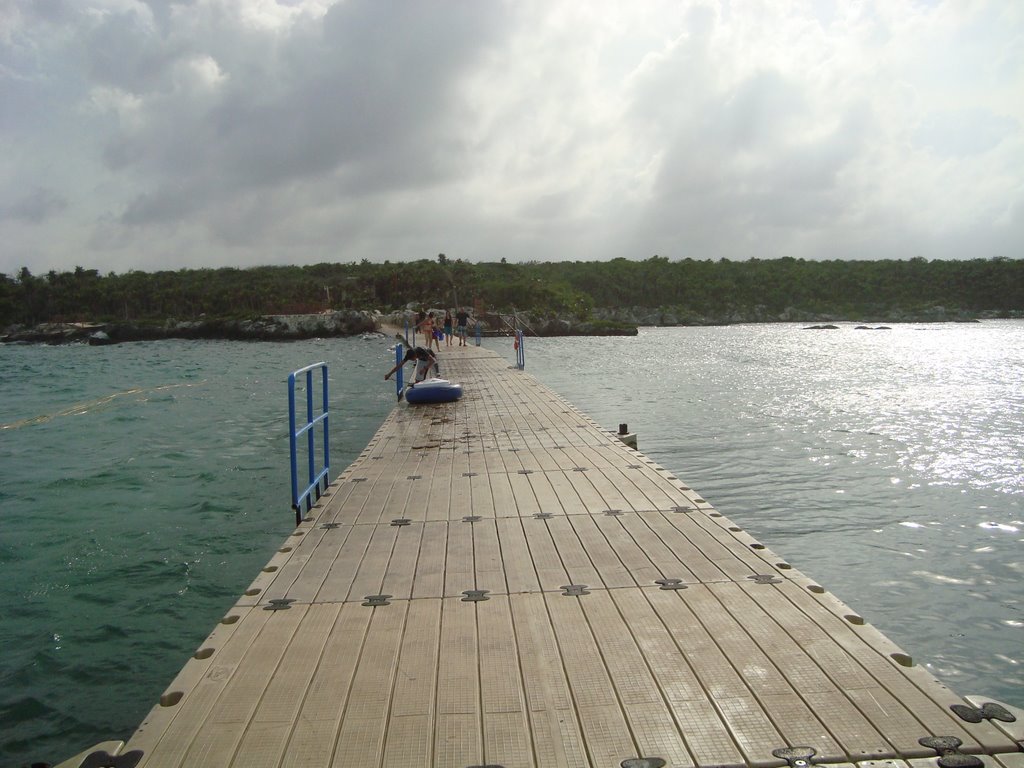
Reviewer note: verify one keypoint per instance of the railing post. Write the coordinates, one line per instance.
(520, 351)
(310, 443)
(399, 377)
(327, 431)
(478, 333)
(292, 449)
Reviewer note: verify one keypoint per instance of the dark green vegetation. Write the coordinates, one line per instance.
(692, 290)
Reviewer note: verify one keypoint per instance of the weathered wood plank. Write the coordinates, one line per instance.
(514, 491)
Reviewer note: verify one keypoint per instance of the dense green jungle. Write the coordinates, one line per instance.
(692, 290)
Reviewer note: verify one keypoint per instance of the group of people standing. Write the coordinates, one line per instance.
(432, 332)
(426, 324)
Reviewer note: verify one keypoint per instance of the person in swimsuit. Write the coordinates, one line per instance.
(430, 332)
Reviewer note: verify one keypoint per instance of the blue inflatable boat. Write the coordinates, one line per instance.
(433, 391)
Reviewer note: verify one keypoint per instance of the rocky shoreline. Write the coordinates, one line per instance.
(262, 328)
(675, 316)
(605, 322)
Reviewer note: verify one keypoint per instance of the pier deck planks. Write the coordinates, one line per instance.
(515, 492)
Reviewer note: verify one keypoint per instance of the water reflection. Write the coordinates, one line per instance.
(863, 458)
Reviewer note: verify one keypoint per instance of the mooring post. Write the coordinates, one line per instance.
(627, 437)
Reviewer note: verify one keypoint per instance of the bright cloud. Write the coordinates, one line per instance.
(147, 134)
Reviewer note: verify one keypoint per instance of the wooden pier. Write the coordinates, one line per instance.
(501, 582)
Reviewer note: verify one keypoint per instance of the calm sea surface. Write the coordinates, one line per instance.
(143, 486)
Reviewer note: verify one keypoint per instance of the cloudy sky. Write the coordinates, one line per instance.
(160, 134)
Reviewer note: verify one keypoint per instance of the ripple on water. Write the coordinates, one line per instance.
(798, 437)
(163, 505)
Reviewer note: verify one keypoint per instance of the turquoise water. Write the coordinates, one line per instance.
(143, 486)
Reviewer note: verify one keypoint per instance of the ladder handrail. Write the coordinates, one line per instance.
(315, 474)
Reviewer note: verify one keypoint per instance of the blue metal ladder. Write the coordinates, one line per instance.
(316, 474)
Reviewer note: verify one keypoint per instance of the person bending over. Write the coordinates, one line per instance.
(425, 360)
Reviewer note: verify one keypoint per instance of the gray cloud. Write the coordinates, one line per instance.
(165, 132)
(368, 97)
(125, 51)
(36, 206)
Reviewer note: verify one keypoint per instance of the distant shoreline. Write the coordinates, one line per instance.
(345, 323)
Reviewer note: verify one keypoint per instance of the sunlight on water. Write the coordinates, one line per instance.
(889, 465)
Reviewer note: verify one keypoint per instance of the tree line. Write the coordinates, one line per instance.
(571, 288)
